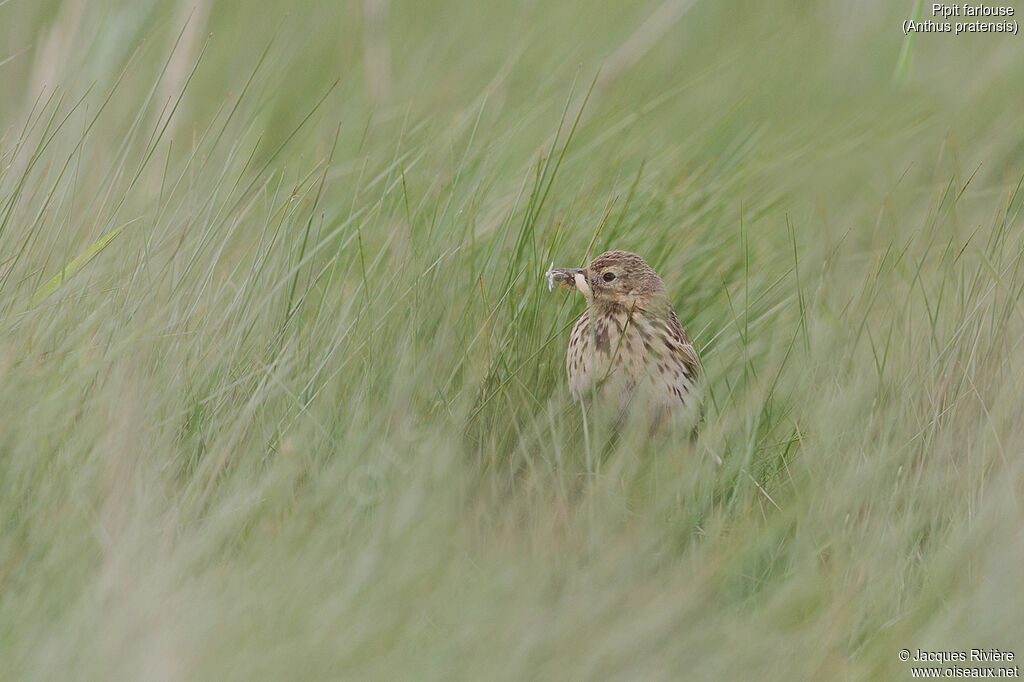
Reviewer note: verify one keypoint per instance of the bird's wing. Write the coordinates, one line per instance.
(687, 353)
(674, 366)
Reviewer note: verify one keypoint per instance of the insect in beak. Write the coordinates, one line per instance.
(562, 276)
(570, 277)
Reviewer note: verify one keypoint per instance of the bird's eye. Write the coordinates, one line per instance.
(609, 276)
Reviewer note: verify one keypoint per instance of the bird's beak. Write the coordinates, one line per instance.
(570, 277)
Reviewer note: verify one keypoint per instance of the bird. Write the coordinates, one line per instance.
(628, 347)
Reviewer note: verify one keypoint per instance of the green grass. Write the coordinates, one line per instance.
(283, 390)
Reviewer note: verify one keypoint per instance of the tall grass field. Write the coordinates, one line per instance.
(282, 386)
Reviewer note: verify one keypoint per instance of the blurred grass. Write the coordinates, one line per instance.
(283, 388)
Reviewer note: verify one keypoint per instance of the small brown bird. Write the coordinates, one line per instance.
(628, 344)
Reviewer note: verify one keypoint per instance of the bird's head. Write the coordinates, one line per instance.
(613, 278)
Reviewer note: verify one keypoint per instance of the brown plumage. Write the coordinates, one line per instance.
(628, 345)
